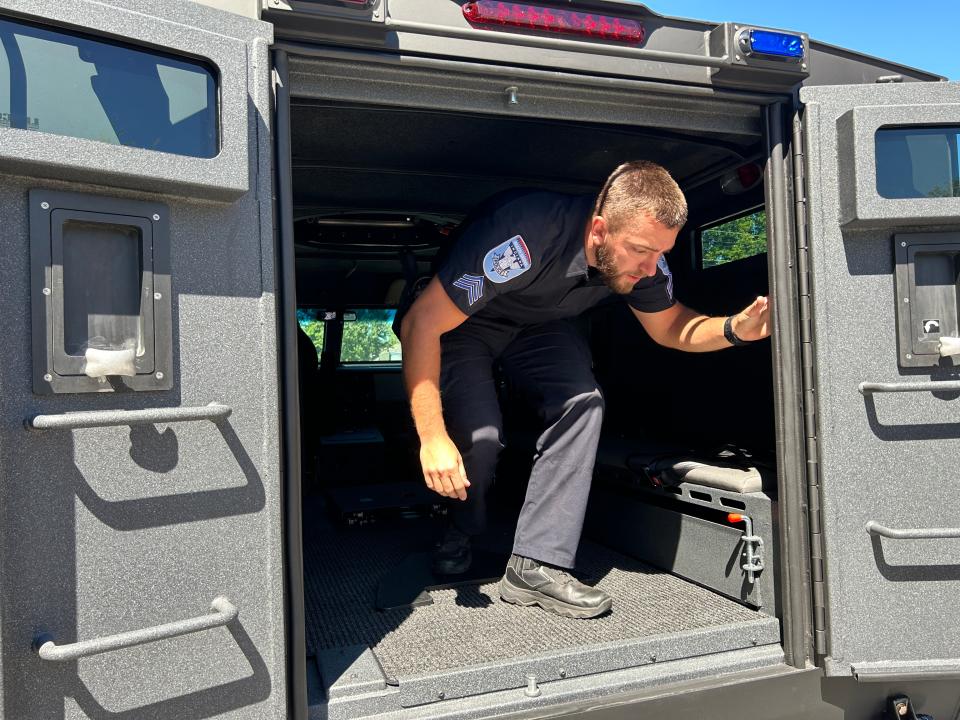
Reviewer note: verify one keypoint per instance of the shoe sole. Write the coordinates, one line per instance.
(526, 598)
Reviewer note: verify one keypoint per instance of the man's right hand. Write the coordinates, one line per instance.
(443, 467)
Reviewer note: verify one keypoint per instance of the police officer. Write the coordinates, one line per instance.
(520, 269)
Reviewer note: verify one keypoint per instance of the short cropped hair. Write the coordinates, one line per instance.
(640, 187)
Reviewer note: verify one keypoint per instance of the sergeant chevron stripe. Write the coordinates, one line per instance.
(473, 284)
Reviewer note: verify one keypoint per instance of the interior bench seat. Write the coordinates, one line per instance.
(665, 463)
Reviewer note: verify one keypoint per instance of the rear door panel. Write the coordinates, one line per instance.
(112, 529)
(885, 457)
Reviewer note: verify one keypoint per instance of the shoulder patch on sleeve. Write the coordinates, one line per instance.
(665, 269)
(473, 284)
(507, 260)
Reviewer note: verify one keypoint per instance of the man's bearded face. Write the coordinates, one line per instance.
(618, 281)
(631, 254)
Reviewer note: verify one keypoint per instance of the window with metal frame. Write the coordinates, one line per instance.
(368, 336)
(734, 239)
(65, 83)
(918, 162)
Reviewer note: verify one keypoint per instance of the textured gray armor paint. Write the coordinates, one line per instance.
(384, 704)
(113, 529)
(888, 457)
(586, 661)
(860, 203)
(249, 8)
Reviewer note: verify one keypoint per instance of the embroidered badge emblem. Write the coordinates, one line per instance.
(665, 269)
(507, 260)
(473, 284)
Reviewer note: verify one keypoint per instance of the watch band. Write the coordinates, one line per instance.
(730, 335)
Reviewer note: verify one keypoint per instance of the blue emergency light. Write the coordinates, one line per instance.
(774, 44)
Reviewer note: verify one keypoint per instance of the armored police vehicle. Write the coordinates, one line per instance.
(210, 496)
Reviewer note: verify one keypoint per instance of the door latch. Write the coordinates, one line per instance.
(752, 547)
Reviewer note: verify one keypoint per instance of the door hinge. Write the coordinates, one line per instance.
(817, 576)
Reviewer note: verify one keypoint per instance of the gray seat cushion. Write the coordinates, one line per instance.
(672, 464)
(741, 479)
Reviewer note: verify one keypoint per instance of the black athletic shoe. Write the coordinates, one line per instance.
(528, 582)
(452, 555)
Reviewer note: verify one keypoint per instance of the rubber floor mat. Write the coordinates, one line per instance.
(469, 625)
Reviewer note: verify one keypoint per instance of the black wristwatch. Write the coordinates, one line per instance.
(730, 335)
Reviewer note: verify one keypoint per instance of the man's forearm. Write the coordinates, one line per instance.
(681, 328)
(693, 332)
(421, 374)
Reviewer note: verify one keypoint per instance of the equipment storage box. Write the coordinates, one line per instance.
(687, 529)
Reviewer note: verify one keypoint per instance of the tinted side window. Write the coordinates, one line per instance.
(736, 239)
(368, 337)
(69, 84)
(918, 162)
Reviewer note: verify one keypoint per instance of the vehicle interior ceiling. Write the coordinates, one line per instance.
(377, 193)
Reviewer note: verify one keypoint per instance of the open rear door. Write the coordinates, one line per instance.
(883, 197)
(141, 554)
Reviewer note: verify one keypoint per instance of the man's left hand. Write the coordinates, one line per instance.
(753, 323)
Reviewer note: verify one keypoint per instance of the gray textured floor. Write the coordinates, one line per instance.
(470, 625)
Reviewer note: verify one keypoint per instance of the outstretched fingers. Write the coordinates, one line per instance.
(757, 307)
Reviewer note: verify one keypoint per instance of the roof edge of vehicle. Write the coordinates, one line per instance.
(300, 9)
(821, 45)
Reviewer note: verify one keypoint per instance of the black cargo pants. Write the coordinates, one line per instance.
(551, 365)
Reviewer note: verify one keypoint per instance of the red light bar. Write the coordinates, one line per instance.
(601, 27)
(352, 3)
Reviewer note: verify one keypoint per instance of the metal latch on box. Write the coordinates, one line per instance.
(752, 547)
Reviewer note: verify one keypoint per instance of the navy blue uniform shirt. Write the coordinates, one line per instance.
(521, 261)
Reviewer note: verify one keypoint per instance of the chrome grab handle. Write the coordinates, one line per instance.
(875, 528)
(223, 613)
(867, 388)
(213, 412)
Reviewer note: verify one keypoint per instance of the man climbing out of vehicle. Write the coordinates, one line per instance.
(521, 267)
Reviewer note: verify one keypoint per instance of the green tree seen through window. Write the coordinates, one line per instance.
(370, 338)
(734, 240)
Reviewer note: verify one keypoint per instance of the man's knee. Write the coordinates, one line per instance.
(481, 444)
(586, 405)
(486, 442)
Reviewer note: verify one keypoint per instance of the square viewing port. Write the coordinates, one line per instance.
(101, 294)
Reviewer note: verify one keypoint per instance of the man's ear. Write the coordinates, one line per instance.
(598, 230)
